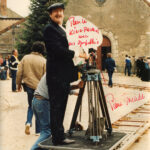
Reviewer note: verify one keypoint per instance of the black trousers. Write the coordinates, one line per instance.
(58, 93)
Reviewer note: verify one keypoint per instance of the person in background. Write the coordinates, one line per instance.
(14, 67)
(30, 70)
(6, 66)
(146, 70)
(133, 62)
(142, 66)
(110, 67)
(9, 71)
(1, 60)
(2, 73)
(128, 65)
(138, 66)
(148, 62)
(41, 109)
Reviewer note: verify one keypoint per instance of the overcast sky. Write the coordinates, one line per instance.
(19, 6)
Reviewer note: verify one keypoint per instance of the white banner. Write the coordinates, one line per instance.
(82, 34)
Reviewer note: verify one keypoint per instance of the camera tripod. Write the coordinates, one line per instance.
(97, 107)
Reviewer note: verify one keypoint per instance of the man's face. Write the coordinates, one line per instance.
(16, 53)
(57, 15)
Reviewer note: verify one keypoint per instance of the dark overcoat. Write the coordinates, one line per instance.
(60, 65)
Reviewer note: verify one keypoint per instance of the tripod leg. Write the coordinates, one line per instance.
(96, 109)
(101, 103)
(92, 106)
(89, 108)
(80, 111)
(78, 103)
(104, 109)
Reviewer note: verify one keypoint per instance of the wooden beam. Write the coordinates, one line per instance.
(11, 26)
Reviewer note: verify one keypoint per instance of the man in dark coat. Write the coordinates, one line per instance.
(14, 67)
(110, 66)
(60, 71)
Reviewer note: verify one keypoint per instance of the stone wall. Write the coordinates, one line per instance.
(125, 22)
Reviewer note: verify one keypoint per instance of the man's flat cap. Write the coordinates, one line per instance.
(54, 6)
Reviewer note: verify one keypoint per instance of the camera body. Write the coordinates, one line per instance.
(92, 50)
(91, 62)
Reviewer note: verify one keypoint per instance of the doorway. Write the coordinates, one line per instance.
(102, 52)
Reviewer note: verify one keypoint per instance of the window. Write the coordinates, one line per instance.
(100, 2)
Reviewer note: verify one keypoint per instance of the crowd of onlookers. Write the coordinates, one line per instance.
(138, 66)
(133, 66)
(9, 67)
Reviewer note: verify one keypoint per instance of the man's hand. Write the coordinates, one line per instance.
(81, 84)
(83, 55)
(19, 88)
(76, 93)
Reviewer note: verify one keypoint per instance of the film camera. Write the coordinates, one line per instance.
(88, 69)
(91, 62)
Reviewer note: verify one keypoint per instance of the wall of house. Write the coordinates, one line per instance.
(7, 19)
(6, 23)
(7, 41)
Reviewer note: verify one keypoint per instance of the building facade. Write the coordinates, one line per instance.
(9, 26)
(125, 25)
